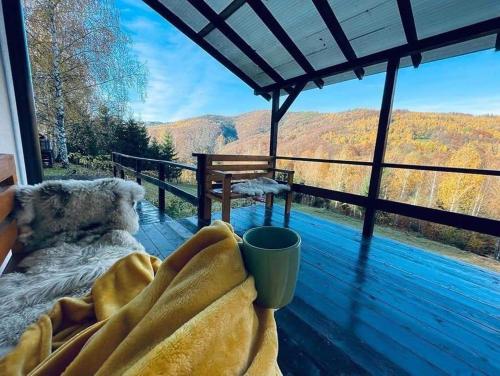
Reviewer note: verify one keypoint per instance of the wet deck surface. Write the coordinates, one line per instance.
(379, 308)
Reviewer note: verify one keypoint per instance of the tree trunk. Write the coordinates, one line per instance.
(433, 187)
(59, 129)
(480, 197)
(480, 203)
(454, 200)
(403, 189)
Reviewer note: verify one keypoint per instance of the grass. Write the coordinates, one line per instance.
(178, 208)
(73, 172)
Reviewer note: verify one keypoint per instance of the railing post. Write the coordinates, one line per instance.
(379, 152)
(138, 167)
(115, 172)
(122, 172)
(161, 190)
(204, 208)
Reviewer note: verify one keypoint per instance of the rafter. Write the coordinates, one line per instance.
(274, 26)
(183, 27)
(462, 34)
(238, 41)
(225, 14)
(338, 34)
(408, 22)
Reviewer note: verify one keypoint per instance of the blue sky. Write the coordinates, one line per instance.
(185, 81)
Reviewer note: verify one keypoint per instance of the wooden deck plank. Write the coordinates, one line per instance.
(426, 276)
(452, 306)
(379, 261)
(403, 294)
(149, 246)
(164, 246)
(258, 221)
(411, 331)
(173, 230)
(297, 336)
(389, 308)
(358, 350)
(456, 268)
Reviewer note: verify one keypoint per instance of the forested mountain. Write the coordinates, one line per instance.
(447, 139)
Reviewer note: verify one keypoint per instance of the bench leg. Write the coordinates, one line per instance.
(269, 200)
(226, 211)
(207, 210)
(288, 203)
(226, 199)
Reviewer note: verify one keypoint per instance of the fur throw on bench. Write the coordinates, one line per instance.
(259, 187)
(72, 232)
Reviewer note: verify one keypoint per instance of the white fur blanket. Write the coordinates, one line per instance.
(73, 232)
(259, 187)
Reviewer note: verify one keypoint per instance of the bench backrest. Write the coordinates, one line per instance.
(241, 166)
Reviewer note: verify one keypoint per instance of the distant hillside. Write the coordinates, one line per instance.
(446, 139)
(429, 138)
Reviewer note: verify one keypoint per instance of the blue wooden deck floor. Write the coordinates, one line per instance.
(378, 307)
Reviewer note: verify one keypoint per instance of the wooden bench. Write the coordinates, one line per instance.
(8, 227)
(216, 171)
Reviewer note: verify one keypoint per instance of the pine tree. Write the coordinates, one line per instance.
(131, 138)
(168, 153)
(154, 151)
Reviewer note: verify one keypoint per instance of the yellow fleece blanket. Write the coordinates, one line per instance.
(193, 314)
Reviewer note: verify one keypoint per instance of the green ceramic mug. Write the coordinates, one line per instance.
(272, 256)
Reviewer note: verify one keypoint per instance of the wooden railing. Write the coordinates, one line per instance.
(123, 162)
(464, 221)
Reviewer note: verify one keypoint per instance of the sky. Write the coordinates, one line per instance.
(185, 81)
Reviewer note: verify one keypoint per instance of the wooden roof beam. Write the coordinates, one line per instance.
(275, 27)
(463, 34)
(338, 34)
(236, 39)
(408, 22)
(183, 27)
(225, 14)
(290, 99)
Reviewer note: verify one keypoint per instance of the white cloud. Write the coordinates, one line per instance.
(182, 80)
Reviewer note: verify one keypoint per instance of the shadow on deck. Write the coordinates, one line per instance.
(378, 307)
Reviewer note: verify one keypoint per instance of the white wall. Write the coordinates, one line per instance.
(10, 138)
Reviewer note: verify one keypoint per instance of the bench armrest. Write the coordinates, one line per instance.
(220, 174)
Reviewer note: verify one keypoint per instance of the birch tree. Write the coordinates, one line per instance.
(81, 58)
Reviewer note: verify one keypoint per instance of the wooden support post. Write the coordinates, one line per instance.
(161, 191)
(204, 202)
(378, 155)
(18, 54)
(273, 138)
(138, 168)
(226, 198)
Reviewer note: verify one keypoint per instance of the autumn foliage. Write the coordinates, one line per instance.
(421, 138)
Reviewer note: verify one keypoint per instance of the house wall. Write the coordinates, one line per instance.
(10, 138)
